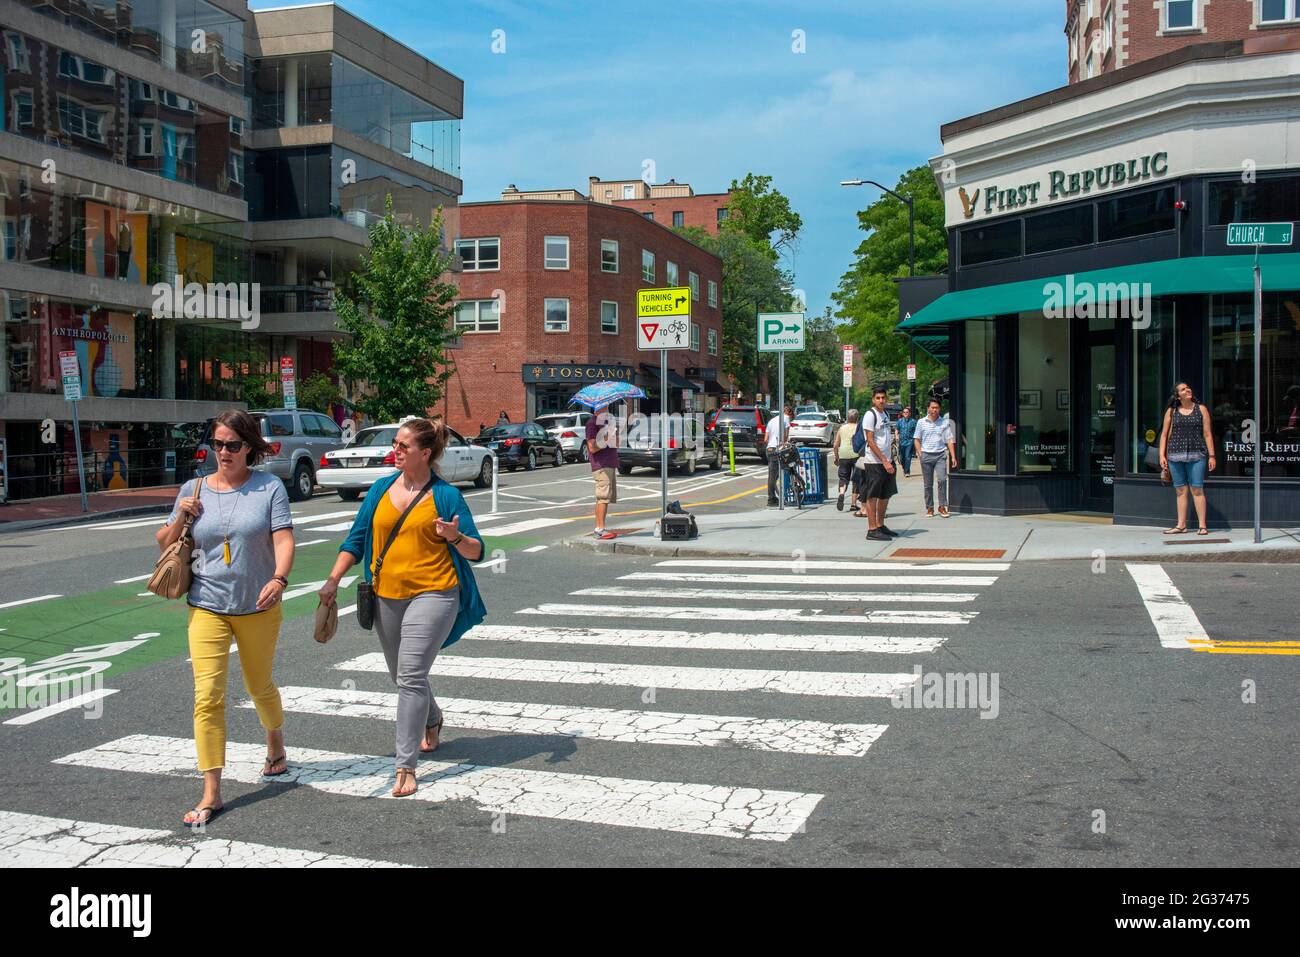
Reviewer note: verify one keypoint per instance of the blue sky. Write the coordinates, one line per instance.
(711, 89)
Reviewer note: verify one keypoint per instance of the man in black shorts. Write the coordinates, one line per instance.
(878, 483)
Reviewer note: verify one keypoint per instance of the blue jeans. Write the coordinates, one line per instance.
(905, 451)
(1188, 473)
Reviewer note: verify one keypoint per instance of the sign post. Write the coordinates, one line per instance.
(848, 378)
(71, 372)
(288, 387)
(663, 322)
(1259, 234)
(781, 332)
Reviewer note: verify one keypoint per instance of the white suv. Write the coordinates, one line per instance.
(570, 428)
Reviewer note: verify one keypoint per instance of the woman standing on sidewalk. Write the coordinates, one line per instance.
(845, 458)
(425, 595)
(243, 547)
(1186, 446)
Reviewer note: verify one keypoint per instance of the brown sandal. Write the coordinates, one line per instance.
(397, 792)
(435, 729)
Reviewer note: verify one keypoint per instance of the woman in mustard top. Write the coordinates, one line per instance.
(417, 592)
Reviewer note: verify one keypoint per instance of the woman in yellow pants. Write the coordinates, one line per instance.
(243, 544)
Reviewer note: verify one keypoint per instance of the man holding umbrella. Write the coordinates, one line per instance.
(602, 443)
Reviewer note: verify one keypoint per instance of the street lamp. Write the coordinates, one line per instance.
(911, 255)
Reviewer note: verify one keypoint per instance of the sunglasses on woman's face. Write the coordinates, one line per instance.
(234, 446)
(402, 446)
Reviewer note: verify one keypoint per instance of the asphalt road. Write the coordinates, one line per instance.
(685, 716)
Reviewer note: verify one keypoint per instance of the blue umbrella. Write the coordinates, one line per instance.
(606, 393)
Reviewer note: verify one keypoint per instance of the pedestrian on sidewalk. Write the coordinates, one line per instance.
(845, 459)
(425, 595)
(602, 451)
(778, 428)
(1186, 446)
(874, 442)
(937, 449)
(906, 432)
(243, 548)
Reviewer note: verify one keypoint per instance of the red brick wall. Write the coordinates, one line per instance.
(699, 210)
(487, 371)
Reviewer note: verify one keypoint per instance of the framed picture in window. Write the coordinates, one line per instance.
(1062, 398)
(1031, 399)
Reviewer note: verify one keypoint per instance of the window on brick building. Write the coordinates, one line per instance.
(1278, 11)
(629, 191)
(649, 216)
(713, 293)
(695, 337)
(557, 252)
(557, 315)
(478, 315)
(609, 317)
(679, 218)
(609, 255)
(1180, 14)
(1108, 30)
(694, 283)
(479, 254)
(713, 342)
(722, 213)
(670, 273)
(647, 265)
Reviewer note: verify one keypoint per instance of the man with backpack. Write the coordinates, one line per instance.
(873, 441)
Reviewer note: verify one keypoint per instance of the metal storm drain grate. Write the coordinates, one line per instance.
(947, 553)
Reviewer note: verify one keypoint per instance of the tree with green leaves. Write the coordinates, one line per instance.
(318, 392)
(868, 296)
(399, 314)
(758, 211)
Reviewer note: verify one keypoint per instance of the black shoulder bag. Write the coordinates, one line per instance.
(366, 589)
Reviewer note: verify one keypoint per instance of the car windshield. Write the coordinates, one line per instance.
(810, 417)
(502, 431)
(372, 438)
(737, 416)
(557, 421)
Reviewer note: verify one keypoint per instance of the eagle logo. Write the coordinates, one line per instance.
(968, 202)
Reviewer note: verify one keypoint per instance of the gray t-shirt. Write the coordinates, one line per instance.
(248, 515)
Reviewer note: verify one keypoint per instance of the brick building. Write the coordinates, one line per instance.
(548, 304)
(1106, 35)
(671, 203)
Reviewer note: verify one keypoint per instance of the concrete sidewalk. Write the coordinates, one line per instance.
(823, 532)
(58, 510)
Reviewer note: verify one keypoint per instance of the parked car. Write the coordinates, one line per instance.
(812, 428)
(747, 425)
(521, 444)
(807, 407)
(686, 450)
(369, 457)
(570, 428)
(298, 437)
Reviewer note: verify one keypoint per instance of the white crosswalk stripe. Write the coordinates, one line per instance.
(711, 613)
(716, 594)
(740, 812)
(732, 579)
(709, 640)
(33, 840)
(601, 724)
(834, 683)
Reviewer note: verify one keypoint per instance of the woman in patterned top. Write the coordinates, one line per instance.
(1185, 448)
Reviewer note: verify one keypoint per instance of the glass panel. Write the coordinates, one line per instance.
(982, 244)
(1043, 441)
(1266, 201)
(979, 434)
(1138, 214)
(1102, 409)
(1231, 400)
(1154, 375)
(1059, 230)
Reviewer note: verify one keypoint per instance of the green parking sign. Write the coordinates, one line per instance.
(780, 332)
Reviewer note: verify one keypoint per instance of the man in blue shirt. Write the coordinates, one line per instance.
(906, 433)
(935, 445)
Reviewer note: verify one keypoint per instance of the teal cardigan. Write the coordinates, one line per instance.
(449, 503)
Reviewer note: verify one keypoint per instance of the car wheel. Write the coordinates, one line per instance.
(349, 494)
(484, 473)
(625, 470)
(583, 453)
(689, 468)
(559, 458)
(717, 459)
(303, 483)
(532, 460)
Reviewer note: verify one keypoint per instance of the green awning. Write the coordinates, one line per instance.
(934, 346)
(1167, 277)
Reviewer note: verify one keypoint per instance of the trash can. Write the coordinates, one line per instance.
(812, 466)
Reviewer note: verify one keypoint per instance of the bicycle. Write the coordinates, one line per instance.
(787, 457)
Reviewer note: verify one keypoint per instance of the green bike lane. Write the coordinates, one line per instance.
(93, 636)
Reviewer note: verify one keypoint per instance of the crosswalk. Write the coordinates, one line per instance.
(813, 681)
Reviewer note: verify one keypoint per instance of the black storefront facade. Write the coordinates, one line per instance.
(1090, 271)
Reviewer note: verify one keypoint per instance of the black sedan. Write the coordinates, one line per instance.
(522, 444)
(687, 456)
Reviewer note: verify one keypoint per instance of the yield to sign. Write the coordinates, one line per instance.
(663, 318)
(648, 329)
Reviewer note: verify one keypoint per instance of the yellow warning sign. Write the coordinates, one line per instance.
(656, 303)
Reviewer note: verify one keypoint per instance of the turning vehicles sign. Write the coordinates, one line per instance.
(663, 318)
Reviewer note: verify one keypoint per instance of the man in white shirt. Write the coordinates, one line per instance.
(777, 429)
(879, 483)
(937, 450)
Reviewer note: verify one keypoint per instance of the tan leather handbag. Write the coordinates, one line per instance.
(327, 622)
(174, 570)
